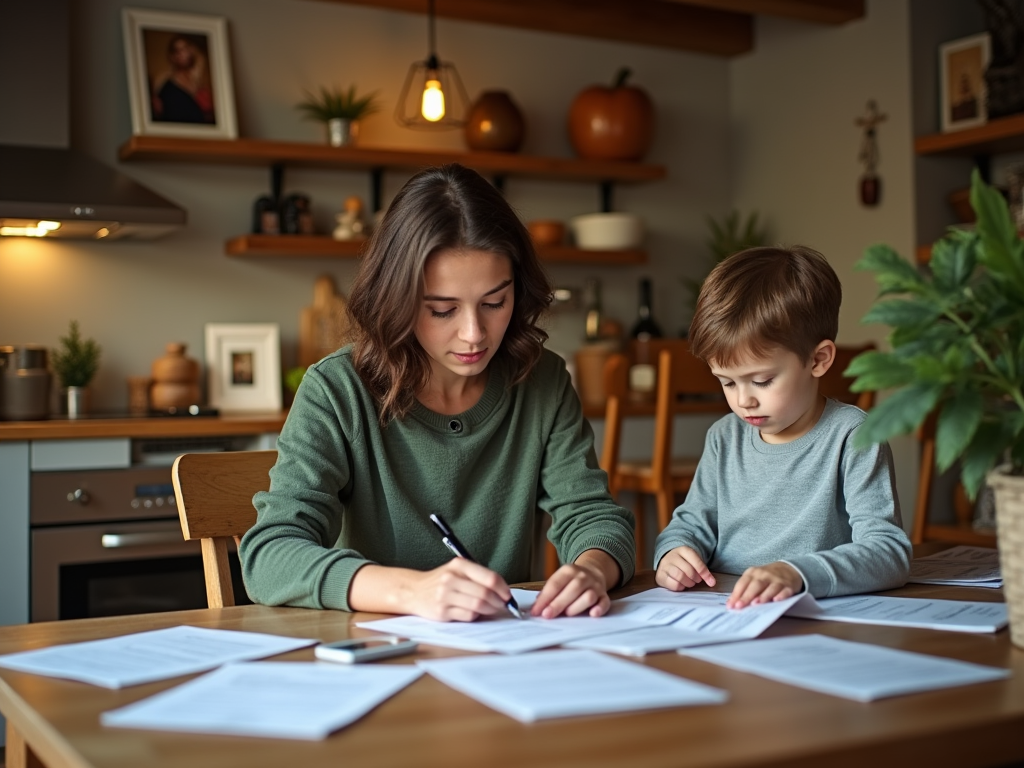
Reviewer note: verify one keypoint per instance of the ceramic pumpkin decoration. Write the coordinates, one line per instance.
(615, 123)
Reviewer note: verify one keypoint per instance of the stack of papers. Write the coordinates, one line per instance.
(551, 684)
(704, 620)
(147, 656)
(275, 699)
(505, 634)
(842, 668)
(953, 615)
(961, 566)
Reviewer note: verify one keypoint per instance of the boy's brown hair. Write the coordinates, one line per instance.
(763, 298)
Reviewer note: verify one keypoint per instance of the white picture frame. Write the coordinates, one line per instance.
(243, 366)
(964, 96)
(179, 74)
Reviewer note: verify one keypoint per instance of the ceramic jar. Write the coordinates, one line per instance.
(175, 379)
(495, 124)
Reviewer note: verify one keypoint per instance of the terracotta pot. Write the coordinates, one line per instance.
(170, 395)
(614, 123)
(495, 124)
(546, 231)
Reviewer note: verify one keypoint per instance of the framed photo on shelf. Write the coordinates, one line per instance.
(243, 365)
(179, 74)
(962, 65)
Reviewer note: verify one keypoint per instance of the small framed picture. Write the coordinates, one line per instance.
(962, 64)
(243, 364)
(179, 74)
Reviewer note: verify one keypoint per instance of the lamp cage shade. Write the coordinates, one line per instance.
(409, 109)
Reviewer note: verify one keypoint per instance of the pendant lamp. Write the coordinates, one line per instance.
(433, 95)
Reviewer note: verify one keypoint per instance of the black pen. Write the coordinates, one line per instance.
(449, 539)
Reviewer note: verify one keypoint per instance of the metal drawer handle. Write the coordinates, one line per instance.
(121, 540)
(82, 497)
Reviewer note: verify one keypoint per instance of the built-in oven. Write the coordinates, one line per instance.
(107, 542)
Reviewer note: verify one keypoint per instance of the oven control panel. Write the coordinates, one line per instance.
(137, 493)
(154, 496)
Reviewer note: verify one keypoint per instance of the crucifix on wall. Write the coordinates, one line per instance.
(870, 183)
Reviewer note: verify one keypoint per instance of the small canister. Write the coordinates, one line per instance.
(24, 383)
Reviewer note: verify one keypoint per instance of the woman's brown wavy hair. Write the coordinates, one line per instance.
(438, 209)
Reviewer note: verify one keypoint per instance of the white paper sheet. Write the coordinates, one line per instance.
(953, 615)
(147, 656)
(550, 684)
(283, 700)
(961, 566)
(702, 623)
(842, 668)
(510, 635)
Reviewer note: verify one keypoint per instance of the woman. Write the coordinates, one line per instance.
(446, 402)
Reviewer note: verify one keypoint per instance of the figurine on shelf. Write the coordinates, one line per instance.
(351, 224)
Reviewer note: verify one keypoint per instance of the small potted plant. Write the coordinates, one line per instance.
(958, 352)
(75, 363)
(727, 236)
(340, 110)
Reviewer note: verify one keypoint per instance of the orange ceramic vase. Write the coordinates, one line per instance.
(495, 124)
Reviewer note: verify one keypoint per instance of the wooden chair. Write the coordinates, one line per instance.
(833, 384)
(214, 493)
(961, 530)
(684, 386)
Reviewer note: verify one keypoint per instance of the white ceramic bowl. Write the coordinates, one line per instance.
(607, 231)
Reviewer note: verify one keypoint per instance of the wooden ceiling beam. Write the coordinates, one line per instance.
(817, 11)
(647, 22)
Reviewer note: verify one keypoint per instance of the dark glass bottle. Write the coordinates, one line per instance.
(645, 327)
(595, 314)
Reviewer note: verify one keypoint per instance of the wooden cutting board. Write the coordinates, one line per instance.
(323, 327)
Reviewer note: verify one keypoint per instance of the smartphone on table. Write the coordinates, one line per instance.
(364, 649)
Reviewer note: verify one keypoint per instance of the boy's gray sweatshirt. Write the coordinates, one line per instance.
(828, 509)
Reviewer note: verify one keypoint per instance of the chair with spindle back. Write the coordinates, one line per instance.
(214, 493)
(684, 386)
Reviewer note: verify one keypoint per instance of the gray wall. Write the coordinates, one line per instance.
(133, 298)
(795, 148)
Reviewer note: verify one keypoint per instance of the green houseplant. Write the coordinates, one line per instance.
(75, 363)
(958, 351)
(340, 110)
(727, 236)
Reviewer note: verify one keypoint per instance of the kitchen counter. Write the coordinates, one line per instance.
(62, 428)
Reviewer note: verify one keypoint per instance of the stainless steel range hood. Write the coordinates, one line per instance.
(46, 188)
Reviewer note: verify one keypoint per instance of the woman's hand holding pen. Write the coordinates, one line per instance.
(460, 590)
(578, 588)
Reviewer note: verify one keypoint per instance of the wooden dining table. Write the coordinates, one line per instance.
(56, 723)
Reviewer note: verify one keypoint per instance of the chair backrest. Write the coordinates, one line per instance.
(214, 493)
(835, 385)
(684, 386)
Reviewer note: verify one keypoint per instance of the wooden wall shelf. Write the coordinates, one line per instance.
(268, 153)
(1005, 134)
(322, 246)
(293, 246)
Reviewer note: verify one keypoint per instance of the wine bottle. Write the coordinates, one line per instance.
(645, 328)
(595, 314)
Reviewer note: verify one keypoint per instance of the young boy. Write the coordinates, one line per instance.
(781, 496)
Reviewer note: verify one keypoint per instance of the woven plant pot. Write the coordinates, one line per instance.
(1009, 490)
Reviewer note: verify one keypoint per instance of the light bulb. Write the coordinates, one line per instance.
(49, 226)
(432, 107)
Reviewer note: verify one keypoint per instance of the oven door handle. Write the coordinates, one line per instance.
(123, 540)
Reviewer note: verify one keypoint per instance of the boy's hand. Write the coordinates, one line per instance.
(765, 583)
(682, 568)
